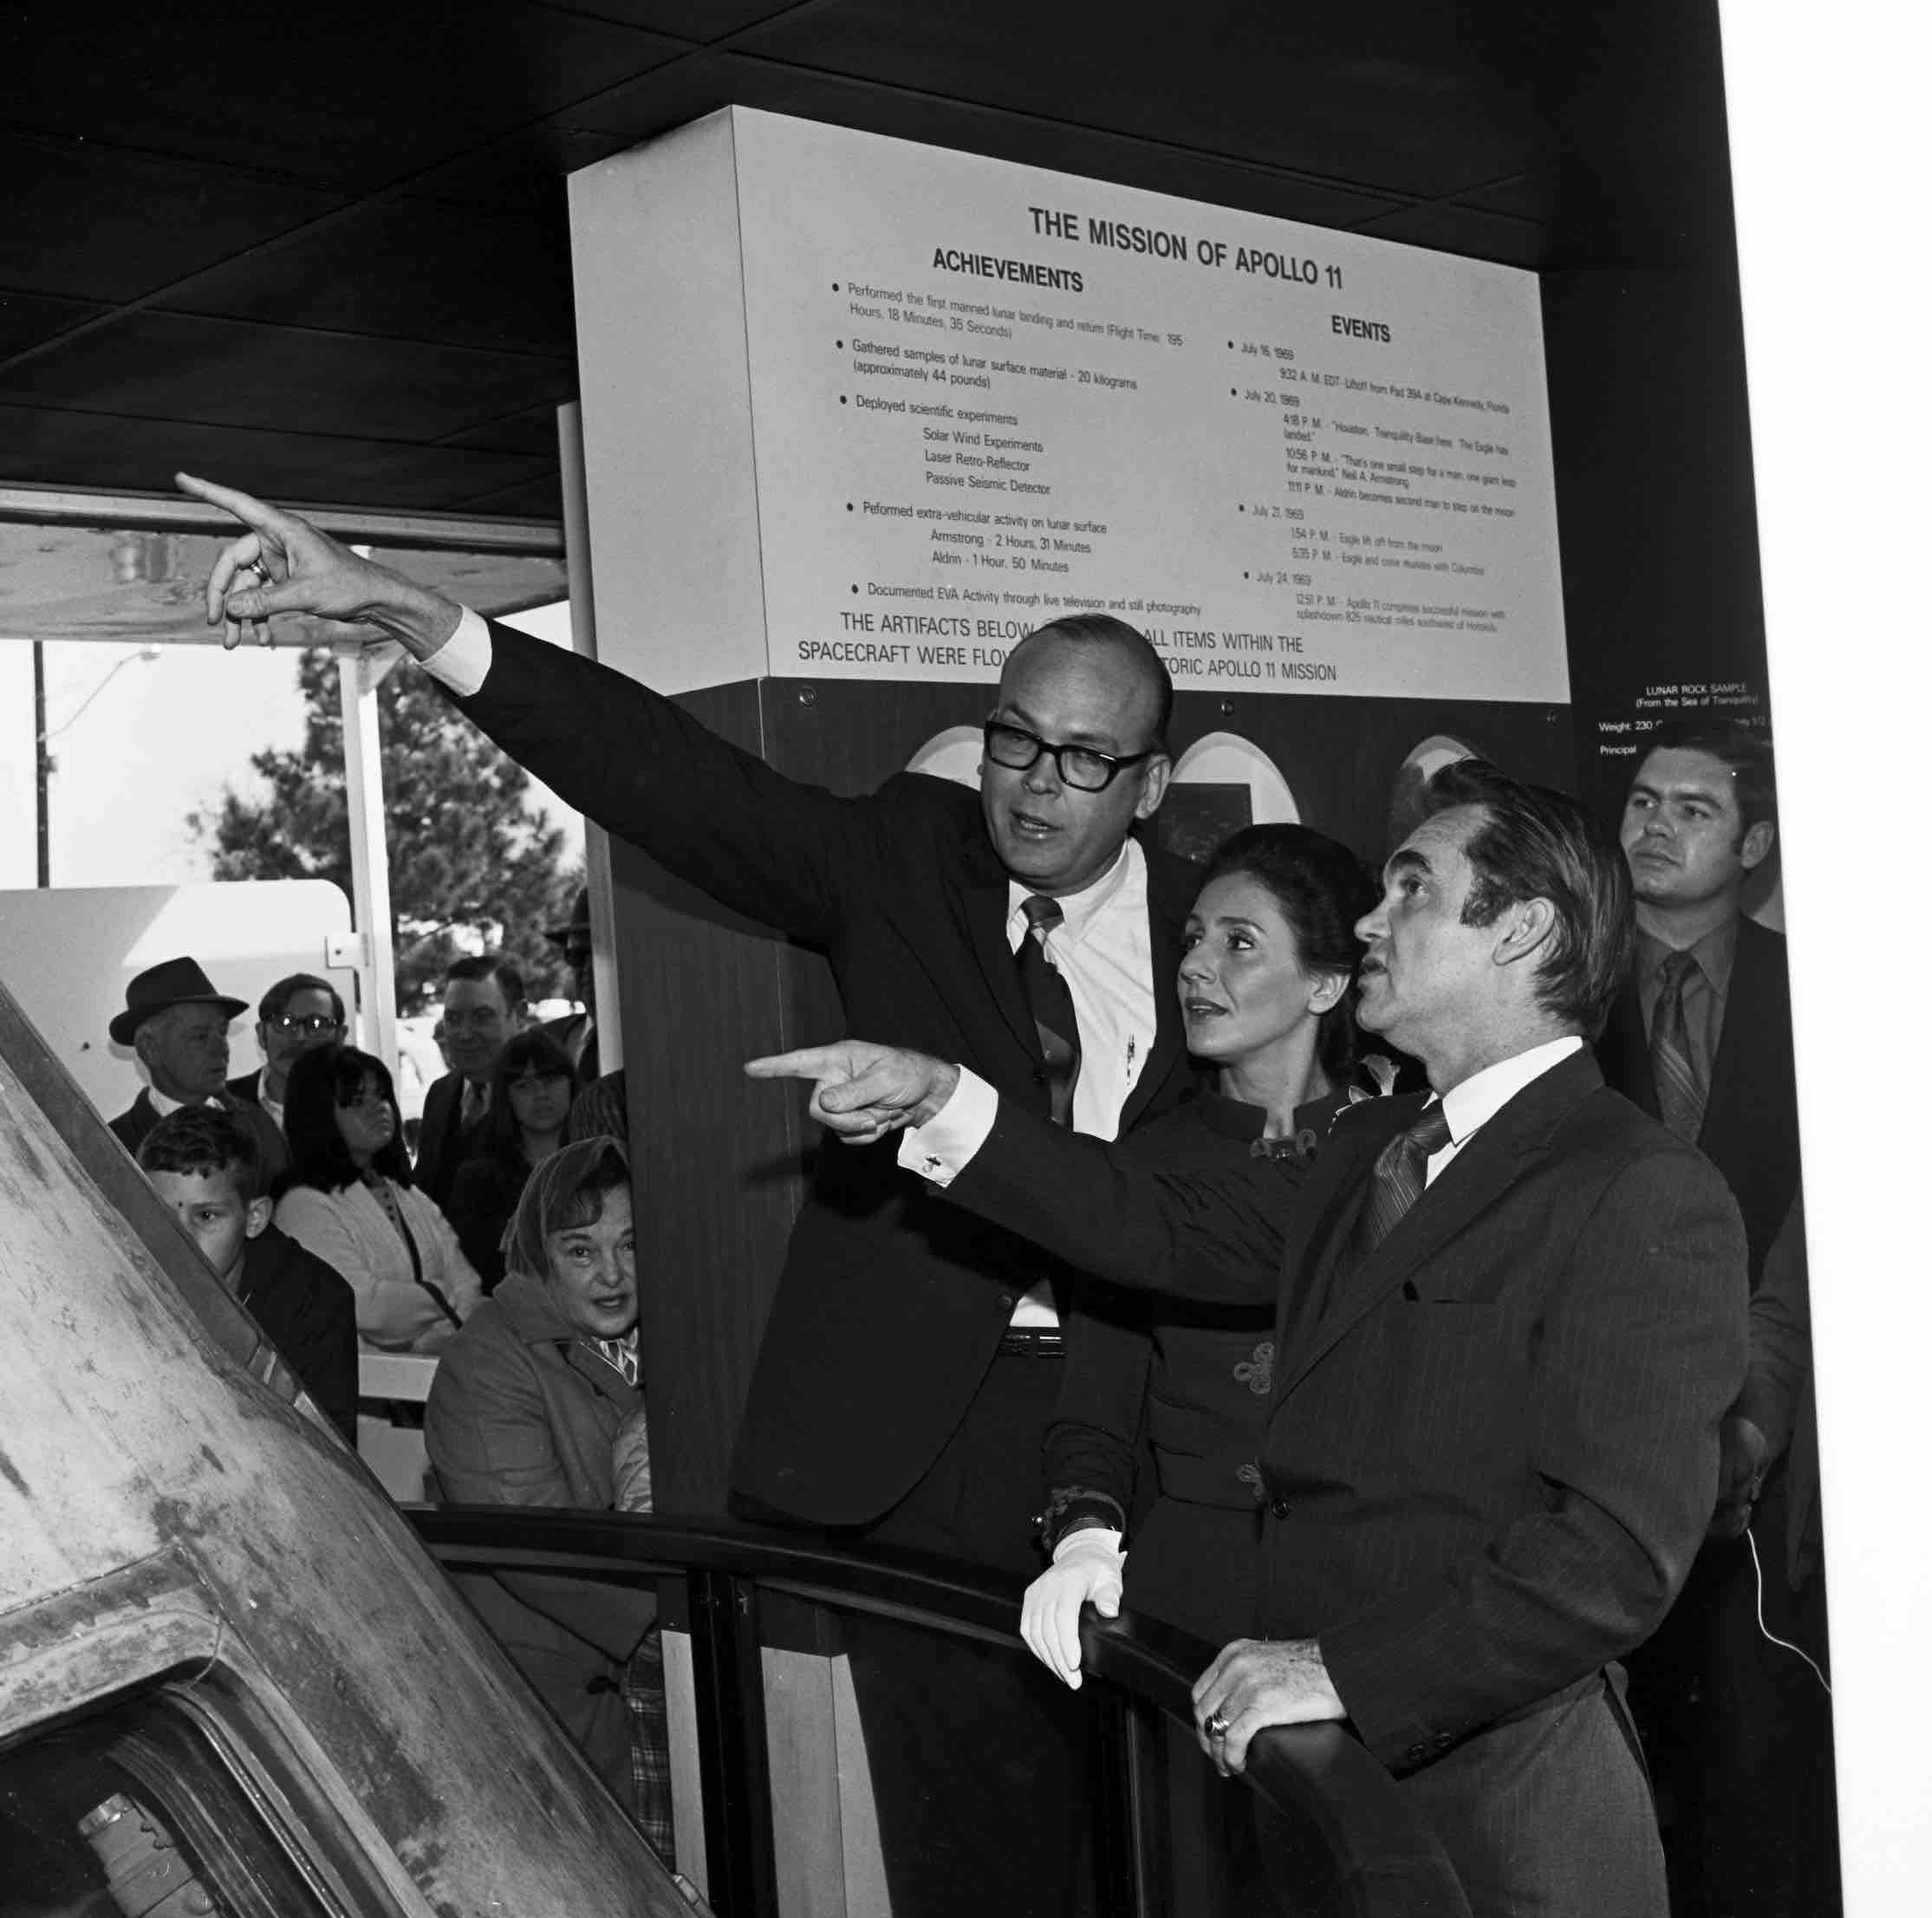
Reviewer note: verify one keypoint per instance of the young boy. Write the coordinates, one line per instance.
(205, 1165)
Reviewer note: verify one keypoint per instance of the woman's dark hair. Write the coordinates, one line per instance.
(320, 1083)
(1322, 889)
(500, 1135)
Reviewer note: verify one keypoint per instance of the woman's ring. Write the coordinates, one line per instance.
(1217, 1725)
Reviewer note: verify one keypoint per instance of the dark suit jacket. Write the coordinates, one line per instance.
(247, 1088)
(1750, 1130)
(569, 1033)
(444, 1141)
(307, 1309)
(1492, 1447)
(133, 1125)
(891, 1304)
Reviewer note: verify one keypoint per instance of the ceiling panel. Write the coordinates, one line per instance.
(104, 224)
(353, 93)
(534, 431)
(414, 270)
(116, 455)
(1418, 97)
(25, 320)
(694, 20)
(299, 380)
(675, 96)
(331, 250)
(1447, 228)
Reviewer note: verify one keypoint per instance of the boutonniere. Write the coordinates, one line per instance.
(1383, 1072)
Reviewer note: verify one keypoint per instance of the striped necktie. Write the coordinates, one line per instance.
(1680, 1097)
(1052, 1005)
(1401, 1172)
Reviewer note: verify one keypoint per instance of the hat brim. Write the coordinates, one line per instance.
(123, 1027)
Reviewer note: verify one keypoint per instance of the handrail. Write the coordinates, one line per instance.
(1355, 1849)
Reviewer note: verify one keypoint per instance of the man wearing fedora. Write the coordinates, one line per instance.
(177, 1025)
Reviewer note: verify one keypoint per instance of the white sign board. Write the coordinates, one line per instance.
(978, 395)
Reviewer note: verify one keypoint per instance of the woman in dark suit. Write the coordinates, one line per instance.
(1266, 991)
(531, 1092)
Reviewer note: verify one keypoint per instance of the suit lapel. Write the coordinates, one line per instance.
(1492, 1162)
(1624, 1048)
(985, 897)
(1331, 1200)
(1167, 917)
(1754, 1019)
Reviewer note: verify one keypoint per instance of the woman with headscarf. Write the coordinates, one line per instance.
(533, 1401)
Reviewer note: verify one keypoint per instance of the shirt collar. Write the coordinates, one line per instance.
(164, 1105)
(1484, 1094)
(1713, 955)
(1078, 910)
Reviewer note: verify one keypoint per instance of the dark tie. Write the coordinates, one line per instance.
(1400, 1172)
(1052, 1005)
(1679, 1097)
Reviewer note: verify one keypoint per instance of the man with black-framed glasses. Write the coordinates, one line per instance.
(297, 1014)
(910, 1357)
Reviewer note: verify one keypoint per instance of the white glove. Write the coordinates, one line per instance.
(1087, 1565)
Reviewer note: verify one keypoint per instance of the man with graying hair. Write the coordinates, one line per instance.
(177, 1024)
(912, 1355)
(1510, 1317)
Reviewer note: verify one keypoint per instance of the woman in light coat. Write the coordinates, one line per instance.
(350, 1201)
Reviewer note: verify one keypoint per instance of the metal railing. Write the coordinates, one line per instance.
(1340, 1842)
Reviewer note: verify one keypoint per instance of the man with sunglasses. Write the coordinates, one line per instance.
(910, 1357)
(298, 1015)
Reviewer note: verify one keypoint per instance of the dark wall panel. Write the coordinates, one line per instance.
(1654, 507)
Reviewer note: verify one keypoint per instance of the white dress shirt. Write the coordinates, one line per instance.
(1473, 1104)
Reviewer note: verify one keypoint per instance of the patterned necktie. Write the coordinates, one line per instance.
(1679, 1097)
(476, 1102)
(1400, 1172)
(1052, 1005)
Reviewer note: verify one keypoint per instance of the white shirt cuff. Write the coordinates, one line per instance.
(1088, 1536)
(943, 1148)
(462, 661)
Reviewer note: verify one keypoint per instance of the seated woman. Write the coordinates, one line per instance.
(536, 1402)
(349, 1201)
(531, 1094)
(1266, 993)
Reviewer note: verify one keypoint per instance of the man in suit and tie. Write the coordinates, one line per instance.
(482, 1011)
(901, 1390)
(298, 1014)
(910, 1358)
(177, 1025)
(1512, 1315)
(1738, 1728)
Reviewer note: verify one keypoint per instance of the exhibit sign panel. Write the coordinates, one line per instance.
(917, 403)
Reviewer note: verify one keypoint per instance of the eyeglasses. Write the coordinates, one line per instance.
(1080, 767)
(313, 1024)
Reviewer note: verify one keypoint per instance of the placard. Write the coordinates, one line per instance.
(983, 394)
